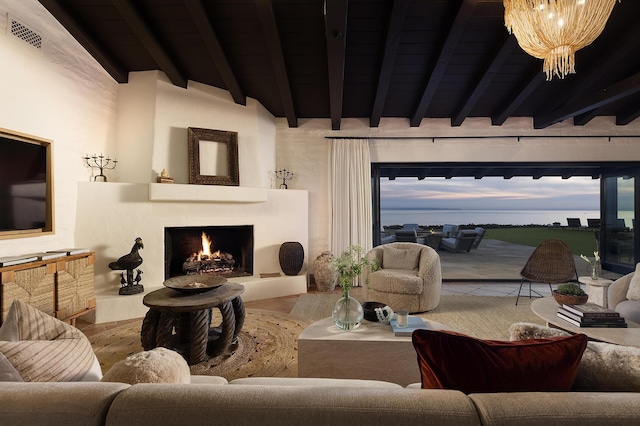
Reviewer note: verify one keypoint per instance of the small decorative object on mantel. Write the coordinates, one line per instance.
(285, 175)
(291, 257)
(101, 163)
(129, 262)
(570, 294)
(164, 177)
(348, 313)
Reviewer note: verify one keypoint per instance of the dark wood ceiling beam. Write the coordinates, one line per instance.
(583, 119)
(613, 93)
(446, 53)
(139, 27)
(203, 24)
(274, 46)
(536, 77)
(336, 35)
(485, 79)
(115, 70)
(394, 32)
(628, 117)
(614, 57)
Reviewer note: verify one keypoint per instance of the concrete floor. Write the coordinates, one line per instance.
(496, 261)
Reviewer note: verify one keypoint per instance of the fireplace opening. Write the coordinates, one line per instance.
(212, 250)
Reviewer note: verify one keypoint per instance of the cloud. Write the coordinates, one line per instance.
(489, 193)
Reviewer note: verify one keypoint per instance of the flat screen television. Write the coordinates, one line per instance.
(26, 185)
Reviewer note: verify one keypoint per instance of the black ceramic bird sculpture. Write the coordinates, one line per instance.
(129, 262)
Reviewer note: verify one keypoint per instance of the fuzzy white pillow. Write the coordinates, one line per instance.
(633, 293)
(159, 365)
(604, 367)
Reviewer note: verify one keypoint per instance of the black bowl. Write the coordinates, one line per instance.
(369, 310)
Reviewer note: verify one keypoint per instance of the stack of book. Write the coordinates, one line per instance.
(591, 315)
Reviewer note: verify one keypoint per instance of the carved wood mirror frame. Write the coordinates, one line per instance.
(213, 157)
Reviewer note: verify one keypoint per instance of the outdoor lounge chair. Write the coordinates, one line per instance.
(552, 263)
(449, 230)
(408, 233)
(574, 222)
(461, 243)
(481, 233)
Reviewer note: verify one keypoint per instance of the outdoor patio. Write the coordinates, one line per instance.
(496, 261)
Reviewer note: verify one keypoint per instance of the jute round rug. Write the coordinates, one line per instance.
(267, 346)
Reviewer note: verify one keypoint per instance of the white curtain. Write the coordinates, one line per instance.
(350, 217)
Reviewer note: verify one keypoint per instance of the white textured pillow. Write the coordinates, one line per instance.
(45, 349)
(604, 367)
(397, 258)
(633, 293)
(159, 365)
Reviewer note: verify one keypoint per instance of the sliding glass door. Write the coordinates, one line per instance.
(619, 236)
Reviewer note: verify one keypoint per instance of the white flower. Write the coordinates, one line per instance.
(596, 258)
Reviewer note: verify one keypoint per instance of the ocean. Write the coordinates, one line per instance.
(499, 217)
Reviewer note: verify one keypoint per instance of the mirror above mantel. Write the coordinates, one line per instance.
(213, 157)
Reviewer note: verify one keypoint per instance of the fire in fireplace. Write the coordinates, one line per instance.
(208, 262)
(212, 250)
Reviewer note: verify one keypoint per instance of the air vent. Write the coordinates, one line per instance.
(25, 33)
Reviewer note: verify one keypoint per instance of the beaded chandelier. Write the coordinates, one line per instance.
(554, 30)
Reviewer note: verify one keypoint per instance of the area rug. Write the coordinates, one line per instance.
(267, 346)
(485, 317)
(268, 341)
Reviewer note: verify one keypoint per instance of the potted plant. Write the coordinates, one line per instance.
(348, 312)
(570, 294)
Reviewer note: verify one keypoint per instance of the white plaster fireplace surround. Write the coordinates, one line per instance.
(112, 215)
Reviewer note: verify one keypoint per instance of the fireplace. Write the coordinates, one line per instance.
(213, 250)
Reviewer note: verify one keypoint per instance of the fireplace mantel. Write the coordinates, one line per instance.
(110, 215)
(159, 192)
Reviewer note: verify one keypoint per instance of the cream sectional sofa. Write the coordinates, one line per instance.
(272, 401)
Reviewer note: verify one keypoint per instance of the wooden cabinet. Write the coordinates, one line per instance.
(62, 287)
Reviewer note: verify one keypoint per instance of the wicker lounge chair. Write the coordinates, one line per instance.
(551, 262)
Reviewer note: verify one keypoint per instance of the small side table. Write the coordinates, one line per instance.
(597, 290)
(182, 321)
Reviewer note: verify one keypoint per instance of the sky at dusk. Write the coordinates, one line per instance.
(518, 193)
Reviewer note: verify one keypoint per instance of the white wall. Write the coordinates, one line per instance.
(304, 150)
(56, 93)
(153, 117)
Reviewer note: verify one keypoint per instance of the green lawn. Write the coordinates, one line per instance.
(581, 241)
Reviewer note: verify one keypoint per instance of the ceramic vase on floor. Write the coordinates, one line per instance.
(324, 274)
(347, 313)
(291, 257)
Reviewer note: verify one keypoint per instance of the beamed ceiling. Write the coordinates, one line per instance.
(368, 59)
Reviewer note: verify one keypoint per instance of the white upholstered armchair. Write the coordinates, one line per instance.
(410, 277)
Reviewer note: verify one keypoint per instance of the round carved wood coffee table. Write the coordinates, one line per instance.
(182, 321)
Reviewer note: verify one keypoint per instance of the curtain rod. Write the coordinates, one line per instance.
(433, 138)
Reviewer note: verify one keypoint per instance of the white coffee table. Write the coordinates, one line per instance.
(547, 309)
(369, 352)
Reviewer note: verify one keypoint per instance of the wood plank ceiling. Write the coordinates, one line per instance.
(361, 58)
